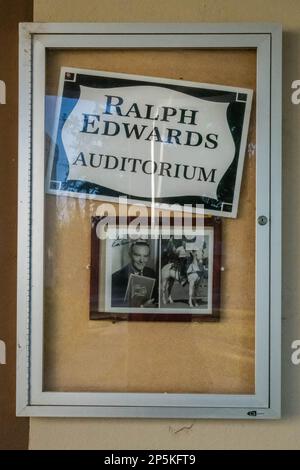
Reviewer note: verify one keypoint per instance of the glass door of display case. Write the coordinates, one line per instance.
(149, 221)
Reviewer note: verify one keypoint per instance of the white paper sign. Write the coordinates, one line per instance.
(152, 140)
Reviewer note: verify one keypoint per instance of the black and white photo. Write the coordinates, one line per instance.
(134, 274)
(155, 273)
(186, 272)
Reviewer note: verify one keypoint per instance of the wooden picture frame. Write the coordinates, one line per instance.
(97, 268)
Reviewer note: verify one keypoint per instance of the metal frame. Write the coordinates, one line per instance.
(34, 39)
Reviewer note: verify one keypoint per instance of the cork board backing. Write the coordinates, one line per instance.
(84, 355)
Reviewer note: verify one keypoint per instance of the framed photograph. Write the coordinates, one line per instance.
(168, 276)
(149, 220)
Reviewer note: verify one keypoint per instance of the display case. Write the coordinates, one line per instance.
(149, 250)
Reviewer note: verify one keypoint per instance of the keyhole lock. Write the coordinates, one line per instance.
(262, 220)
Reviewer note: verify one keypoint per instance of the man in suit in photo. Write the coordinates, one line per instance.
(139, 254)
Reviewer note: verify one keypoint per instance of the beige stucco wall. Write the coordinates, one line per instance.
(164, 434)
